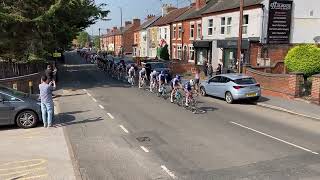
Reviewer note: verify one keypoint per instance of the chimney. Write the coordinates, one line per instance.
(136, 22)
(114, 28)
(150, 16)
(108, 30)
(200, 3)
(166, 8)
(127, 23)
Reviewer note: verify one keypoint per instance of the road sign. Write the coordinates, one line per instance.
(56, 55)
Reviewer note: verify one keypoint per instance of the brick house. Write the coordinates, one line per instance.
(186, 29)
(121, 40)
(164, 25)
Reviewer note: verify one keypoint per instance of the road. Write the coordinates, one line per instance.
(118, 132)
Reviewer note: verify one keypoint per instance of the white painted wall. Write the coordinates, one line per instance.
(144, 39)
(165, 34)
(254, 26)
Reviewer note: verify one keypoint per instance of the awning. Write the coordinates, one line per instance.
(202, 44)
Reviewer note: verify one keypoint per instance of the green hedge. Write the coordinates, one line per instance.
(305, 59)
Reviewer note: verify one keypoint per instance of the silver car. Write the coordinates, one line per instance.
(231, 87)
(18, 108)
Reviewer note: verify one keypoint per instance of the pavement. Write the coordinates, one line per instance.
(37, 153)
(296, 107)
(119, 132)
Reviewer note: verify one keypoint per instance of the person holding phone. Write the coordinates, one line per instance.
(46, 87)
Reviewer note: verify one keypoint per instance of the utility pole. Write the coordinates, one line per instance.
(99, 39)
(121, 27)
(240, 36)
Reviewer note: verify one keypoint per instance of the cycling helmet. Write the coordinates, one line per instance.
(191, 82)
(178, 77)
(162, 72)
(143, 69)
(154, 71)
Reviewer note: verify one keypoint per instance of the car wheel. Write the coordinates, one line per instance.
(229, 98)
(27, 119)
(203, 91)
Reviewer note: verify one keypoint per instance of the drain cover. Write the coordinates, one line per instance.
(143, 139)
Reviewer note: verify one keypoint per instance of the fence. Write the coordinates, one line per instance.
(9, 69)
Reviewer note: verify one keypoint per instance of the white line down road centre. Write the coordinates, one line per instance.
(275, 138)
(124, 129)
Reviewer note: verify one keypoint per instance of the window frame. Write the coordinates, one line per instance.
(245, 25)
(199, 30)
(179, 31)
(191, 49)
(174, 32)
(179, 49)
(223, 25)
(210, 27)
(229, 25)
(192, 30)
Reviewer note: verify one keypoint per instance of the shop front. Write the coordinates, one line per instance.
(203, 51)
(229, 54)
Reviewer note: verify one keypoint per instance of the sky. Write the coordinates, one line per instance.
(130, 9)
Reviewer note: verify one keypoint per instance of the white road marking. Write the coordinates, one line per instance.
(89, 94)
(94, 99)
(144, 149)
(168, 172)
(124, 129)
(84, 90)
(101, 106)
(110, 115)
(275, 138)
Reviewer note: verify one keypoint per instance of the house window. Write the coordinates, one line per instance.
(179, 52)
(165, 33)
(179, 32)
(210, 27)
(174, 32)
(199, 31)
(191, 30)
(223, 25)
(174, 52)
(191, 53)
(229, 21)
(245, 24)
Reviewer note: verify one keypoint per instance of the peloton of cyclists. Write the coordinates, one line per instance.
(153, 80)
(142, 77)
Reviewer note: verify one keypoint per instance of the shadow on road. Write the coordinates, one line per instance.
(66, 119)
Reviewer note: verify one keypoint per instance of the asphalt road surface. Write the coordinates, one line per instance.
(123, 133)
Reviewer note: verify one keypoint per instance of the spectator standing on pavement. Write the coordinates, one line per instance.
(47, 105)
(219, 67)
(210, 70)
(205, 68)
(49, 73)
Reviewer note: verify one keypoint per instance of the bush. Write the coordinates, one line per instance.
(305, 59)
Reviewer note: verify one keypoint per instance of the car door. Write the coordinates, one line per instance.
(222, 86)
(212, 85)
(6, 109)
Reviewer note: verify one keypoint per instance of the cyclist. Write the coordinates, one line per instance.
(175, 85)
(142, 76)
(131, 74)
(188, 90)
(161, 79)
(153, 80)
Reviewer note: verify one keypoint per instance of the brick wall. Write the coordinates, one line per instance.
(315, 92)
(180, 68)
(280, 85)
(22, 83)
(276, 53)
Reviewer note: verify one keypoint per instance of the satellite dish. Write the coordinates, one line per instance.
(317, 39)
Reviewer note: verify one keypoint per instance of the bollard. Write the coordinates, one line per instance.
(30, 87)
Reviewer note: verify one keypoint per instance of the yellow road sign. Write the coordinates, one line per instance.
(56, 55)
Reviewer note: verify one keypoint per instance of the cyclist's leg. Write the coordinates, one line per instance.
(173, 93)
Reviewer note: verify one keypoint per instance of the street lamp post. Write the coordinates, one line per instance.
(240, 37)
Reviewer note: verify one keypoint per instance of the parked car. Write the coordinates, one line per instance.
(18, 108)
(158, 66)
(231, 87)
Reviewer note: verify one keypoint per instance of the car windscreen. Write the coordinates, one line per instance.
(13, 92)
(245, 81)
(158, 65)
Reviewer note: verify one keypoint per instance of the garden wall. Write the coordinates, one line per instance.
(28, 83)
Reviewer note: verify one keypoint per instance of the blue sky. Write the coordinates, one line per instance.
(130, 8)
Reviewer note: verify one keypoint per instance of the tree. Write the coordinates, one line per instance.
(96, 42)
(41, 26)
(83, 38)
(305, 59)
(163, 53)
